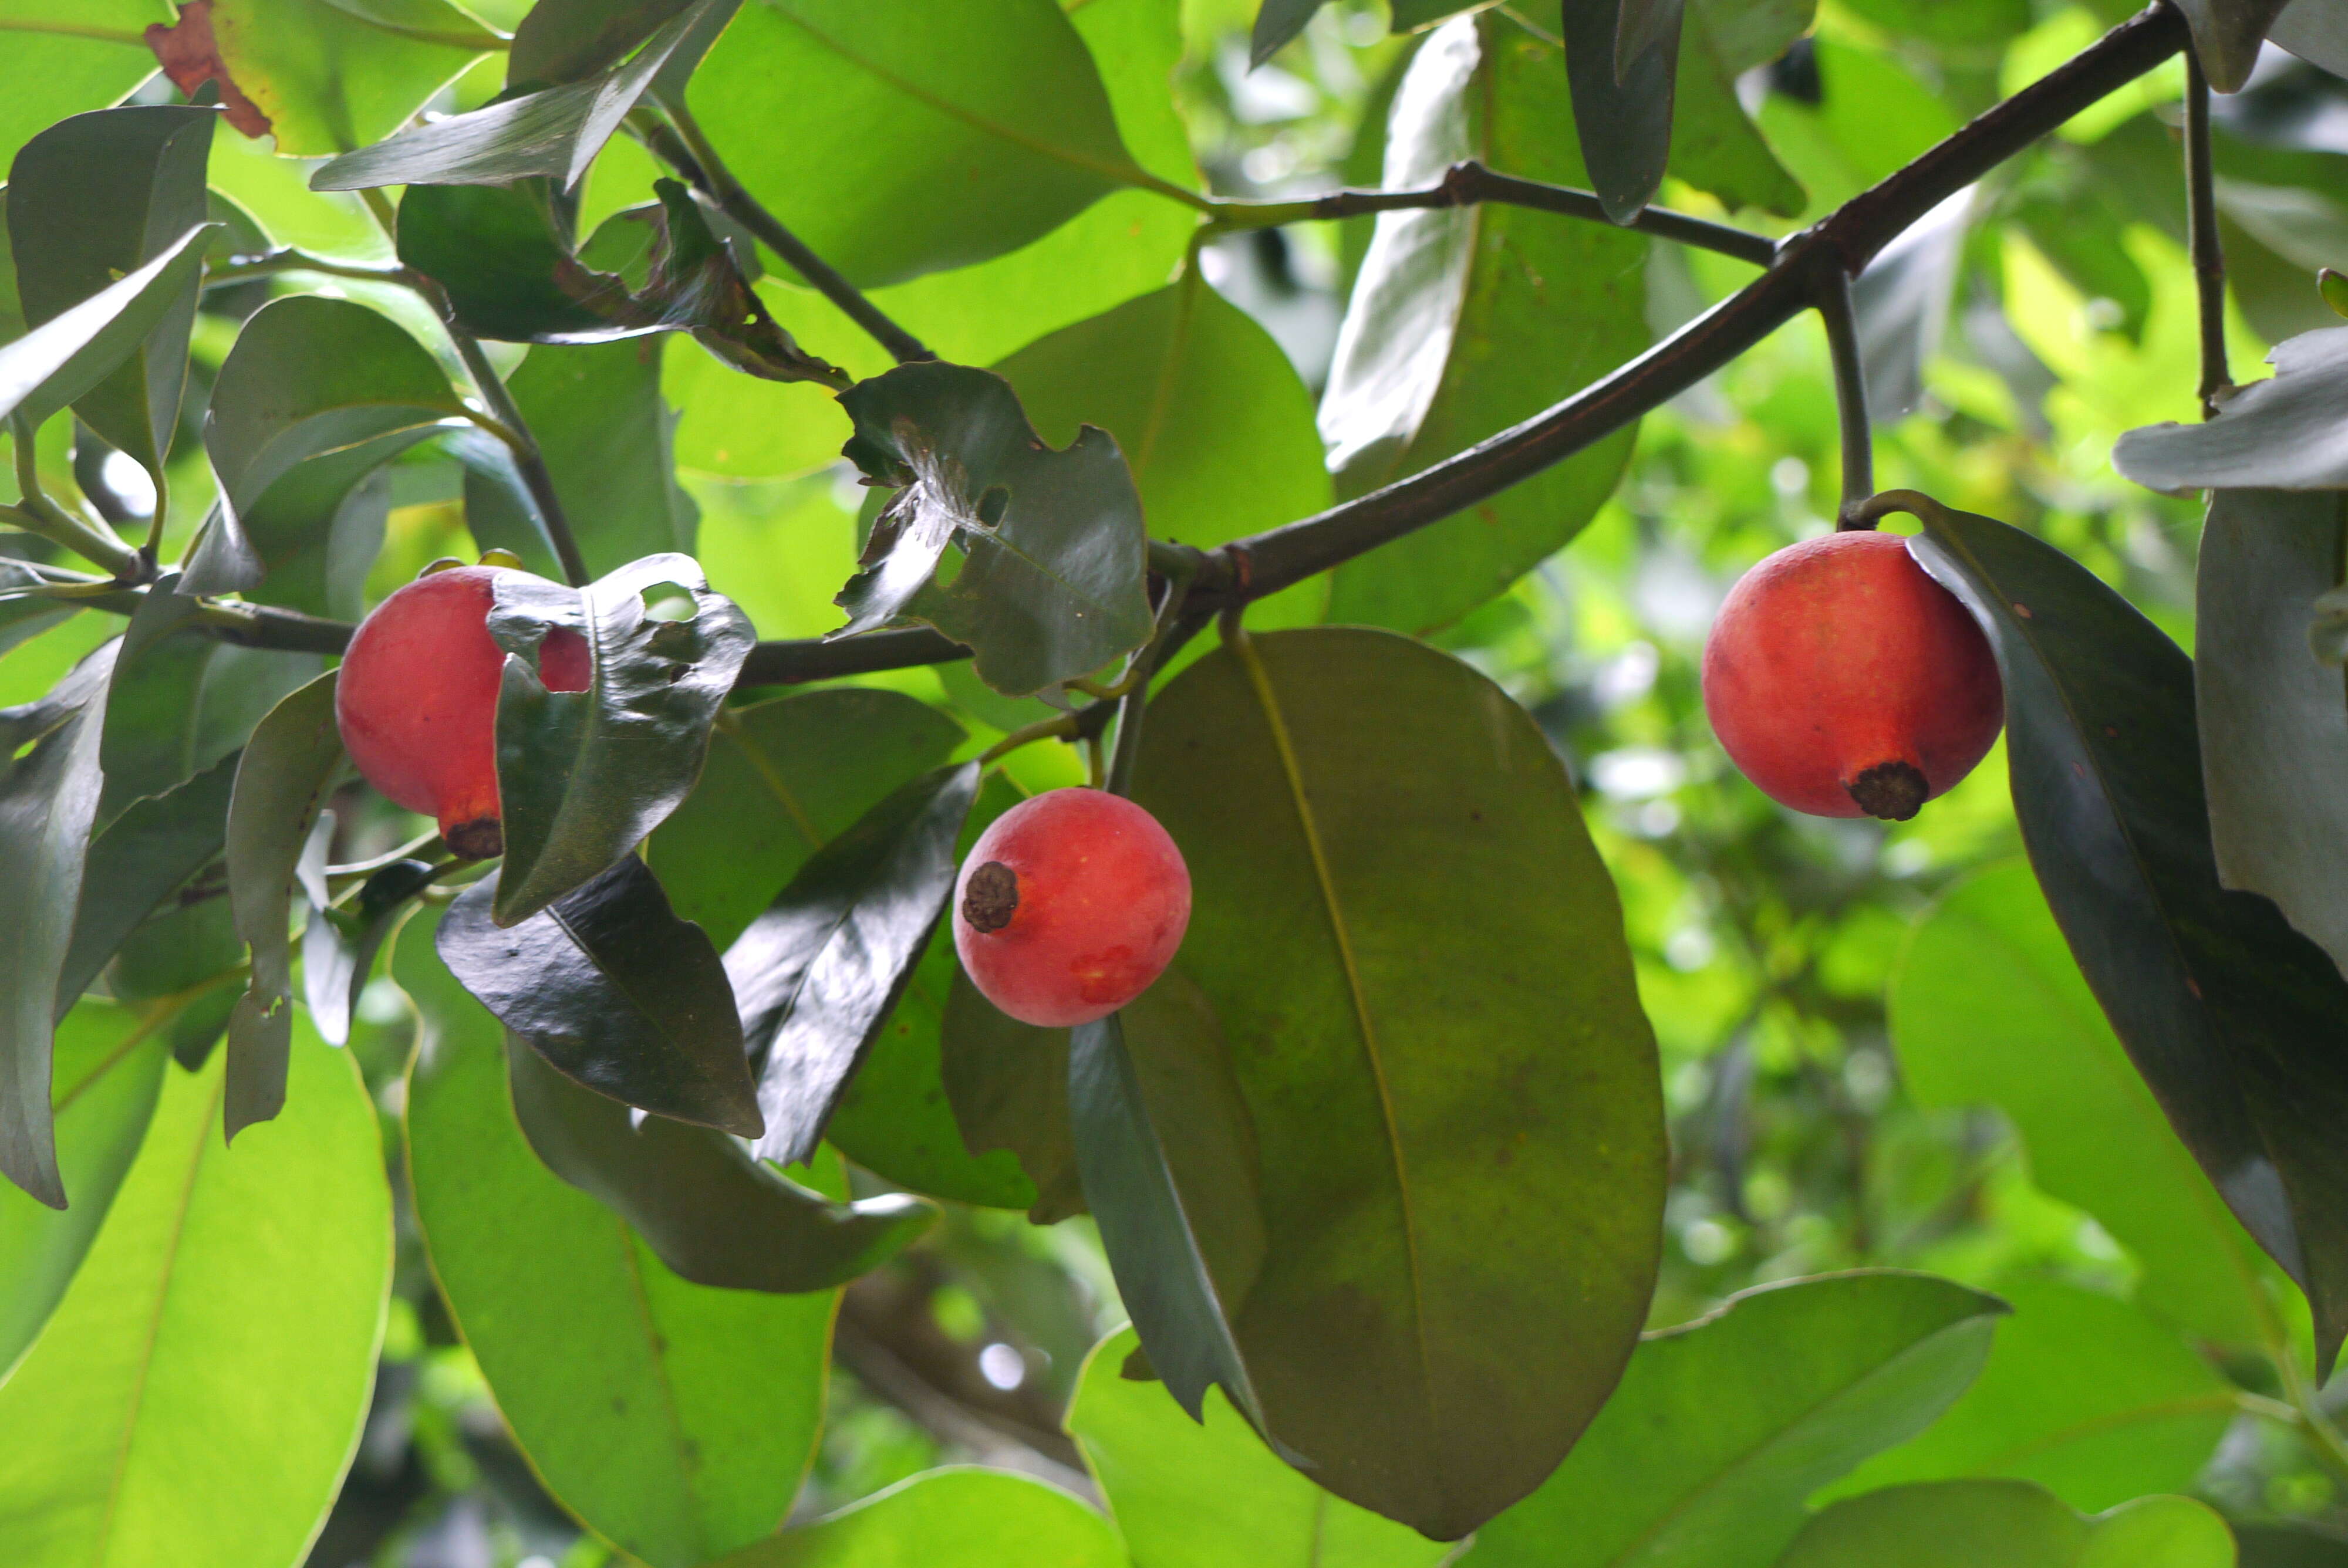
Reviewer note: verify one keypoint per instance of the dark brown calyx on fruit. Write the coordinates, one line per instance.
(480, 839)
(990, 897)
(1892, 791)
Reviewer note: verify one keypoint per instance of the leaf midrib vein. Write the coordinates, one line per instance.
(1268, 700)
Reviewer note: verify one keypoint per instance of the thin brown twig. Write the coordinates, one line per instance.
(2201, 238)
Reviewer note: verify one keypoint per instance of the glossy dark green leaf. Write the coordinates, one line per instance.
(1391, 1040)
(1276, 23)
(331, 77)
(281, 780)
(140, 859)
(339, 945)
(1210, 415)
(897, 1119)
(1184, 1253)
(583, 777)
(604, 431)
(1052, 586)
(1438, 349)
(2087, 1396)
(897, 138)
(154, 701)
(1191, 1495)
(316, 390)
(617, 993)
(1722, 1427)
(110, 1065)
(1621, 106)
(2273, 713)
(72, 352)
(571, 40)
(2314, 32)
(1965, 1523)
(719, 1465)
(94, 199)
(948, 1519)
(554, 132)
(2037, 1046)
(819, 970)
(1716, 146)
(1007, 1083)
(2281, 433)
(48, 798)
(2227, 35)
(784, 777)
(2236, 1021)
(199, 1393)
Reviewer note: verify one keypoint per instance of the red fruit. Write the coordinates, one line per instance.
(416, 701)
(1845, 682)
(1069, 906)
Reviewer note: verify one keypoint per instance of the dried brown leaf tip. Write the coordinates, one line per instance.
(191, 57)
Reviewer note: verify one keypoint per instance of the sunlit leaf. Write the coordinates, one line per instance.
(576, 1385)
(1961, 1523)
(895, 138)
(188, 1317)
(948, 1519)
(329, 77)
(2083, 1395)
(1722, 1427)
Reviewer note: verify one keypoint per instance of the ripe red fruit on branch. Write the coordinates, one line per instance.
(1069, 906)
(416, 701)
(1844, 682)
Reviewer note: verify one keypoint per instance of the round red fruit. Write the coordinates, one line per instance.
(416, 701)
(1844, 682)
(1069, 906)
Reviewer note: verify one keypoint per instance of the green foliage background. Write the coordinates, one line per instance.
(1875, 1051)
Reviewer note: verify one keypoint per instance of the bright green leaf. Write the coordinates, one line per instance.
(200, 1390)
(1969, 1523)
(948, 1519)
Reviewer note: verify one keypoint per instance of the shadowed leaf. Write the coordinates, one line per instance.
(819, 972)
(615, 992)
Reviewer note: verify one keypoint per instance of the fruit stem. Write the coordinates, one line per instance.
(1833, 300)
(2202, 238)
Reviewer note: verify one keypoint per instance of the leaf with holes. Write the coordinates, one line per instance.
(1052, 586)
(583, 777)
(1389, 1045)
(615, 992)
